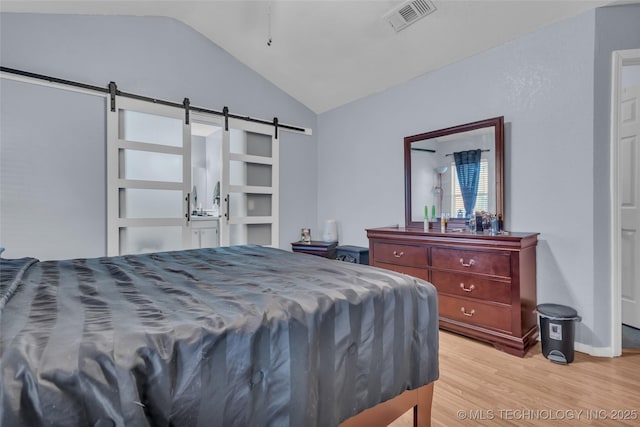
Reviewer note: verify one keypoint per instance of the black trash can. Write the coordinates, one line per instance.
(557, 332)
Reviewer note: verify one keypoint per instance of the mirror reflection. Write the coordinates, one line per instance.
(206, 169)
(454, 172)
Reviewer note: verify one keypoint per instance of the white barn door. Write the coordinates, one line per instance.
(249, 185)
(148, 178)
(629, 169)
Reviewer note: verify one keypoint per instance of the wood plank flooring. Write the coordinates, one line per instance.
(480, 385)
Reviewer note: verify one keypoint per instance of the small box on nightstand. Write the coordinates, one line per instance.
(354, 254)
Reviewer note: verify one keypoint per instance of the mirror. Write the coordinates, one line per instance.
(431, 174)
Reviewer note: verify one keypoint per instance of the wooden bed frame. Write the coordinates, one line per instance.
(385, 413)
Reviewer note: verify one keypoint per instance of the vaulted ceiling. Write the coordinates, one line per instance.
(326, 53)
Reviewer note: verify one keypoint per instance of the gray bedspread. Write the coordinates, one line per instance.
(237, 336)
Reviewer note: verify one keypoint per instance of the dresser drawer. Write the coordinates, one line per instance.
(483, 262)
(472, 286)
(475, 312)
(398, 254)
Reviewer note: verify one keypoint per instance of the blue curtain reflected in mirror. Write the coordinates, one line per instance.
(468, 169)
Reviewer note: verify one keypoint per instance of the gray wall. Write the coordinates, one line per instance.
(617, 28)
(60, 136)
(556, 155)
(52, 172)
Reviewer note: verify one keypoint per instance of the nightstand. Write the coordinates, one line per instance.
(354, 254)
(323, 249)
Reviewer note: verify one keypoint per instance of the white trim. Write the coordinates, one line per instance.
(594, 351)
(113, 212)
(149, 222)
(252, 189)
(275, 196)
(146, 146)
(149, 185)
(620, 58)
(34, 81)
(246, 158)
(253, 220)
(187, 240)
(305, 131)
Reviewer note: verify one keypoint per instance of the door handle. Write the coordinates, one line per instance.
(188, 201)
(226, 201)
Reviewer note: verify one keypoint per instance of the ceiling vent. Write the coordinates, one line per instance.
(409, 12)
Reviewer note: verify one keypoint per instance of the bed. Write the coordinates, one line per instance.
(234, 336)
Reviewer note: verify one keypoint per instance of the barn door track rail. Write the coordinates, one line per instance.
(112, 91)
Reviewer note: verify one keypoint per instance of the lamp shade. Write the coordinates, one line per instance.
(330, 232)
(441, 170)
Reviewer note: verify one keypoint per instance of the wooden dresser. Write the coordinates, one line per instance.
(486, 284)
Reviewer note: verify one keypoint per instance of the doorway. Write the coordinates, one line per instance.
(206, 173)
(625, 215)
(175, 183)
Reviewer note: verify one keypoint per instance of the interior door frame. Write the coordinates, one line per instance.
(620, 58)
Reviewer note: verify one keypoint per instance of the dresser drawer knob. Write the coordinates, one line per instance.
(397, 254)
(469, 264)
(469, 289)
(467, 313)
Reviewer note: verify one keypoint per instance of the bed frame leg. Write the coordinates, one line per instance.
(385, 413)
(422, 411)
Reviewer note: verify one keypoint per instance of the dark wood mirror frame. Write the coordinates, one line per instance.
(497, 123)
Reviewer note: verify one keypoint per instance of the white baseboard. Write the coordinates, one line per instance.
(595, 351)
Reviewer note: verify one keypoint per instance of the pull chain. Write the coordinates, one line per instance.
(269, 26)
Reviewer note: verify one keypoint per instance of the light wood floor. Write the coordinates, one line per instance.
(489, 387)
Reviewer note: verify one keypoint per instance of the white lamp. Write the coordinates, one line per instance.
(438, 190)
(330, 233)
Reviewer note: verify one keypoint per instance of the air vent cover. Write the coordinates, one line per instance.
(409, 12)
